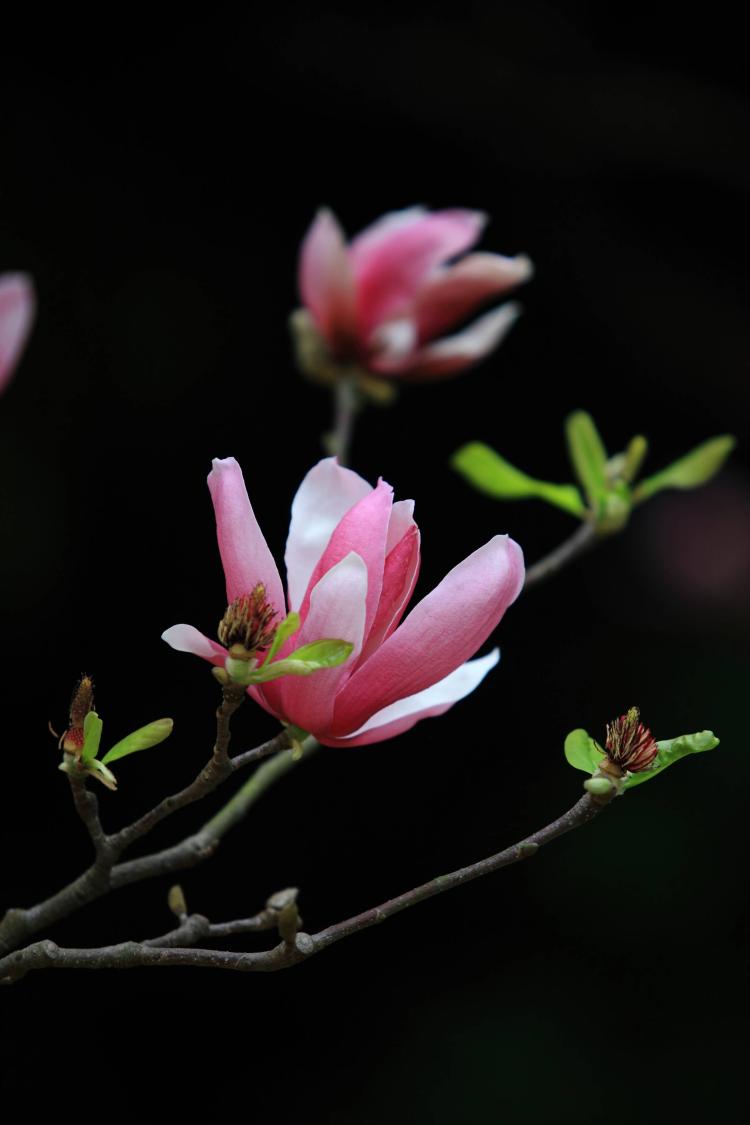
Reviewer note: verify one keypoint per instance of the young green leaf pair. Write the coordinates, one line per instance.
(584, 753)
(608, 492)
(142, 739)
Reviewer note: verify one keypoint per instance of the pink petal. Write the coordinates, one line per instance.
(454, 294)
(454, 353)
(392, 259)
(364, 529)
(399, 579)
(401, 521)
(324, 497)
(435, 700)
(326, 282)
(17, 309)
(185, 638)
(337, 612)
(441, 632)
(244, 552)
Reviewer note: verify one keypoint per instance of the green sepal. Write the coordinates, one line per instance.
(691, 471)
(303, 661)
(142, 739)
(670, 751)
(92, 735)
(285, 630)
(582, 751)
(101, 773)
(492, 474)
(587, 455)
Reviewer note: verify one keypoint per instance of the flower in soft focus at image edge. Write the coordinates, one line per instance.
(352, 560)
(17, 307)
(383, 303)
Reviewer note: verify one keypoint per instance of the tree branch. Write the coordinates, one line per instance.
(162, 951)
(582, 539)
(102, 876)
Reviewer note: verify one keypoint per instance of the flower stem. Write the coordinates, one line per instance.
(264, 777)
(347, 405)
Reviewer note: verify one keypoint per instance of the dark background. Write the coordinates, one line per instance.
(156, 180)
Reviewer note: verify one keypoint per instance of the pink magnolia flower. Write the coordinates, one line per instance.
(382, 301)
(352, 558)
(17, 306)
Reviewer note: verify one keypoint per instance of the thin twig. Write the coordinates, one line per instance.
(160, 951)
(582, 539)
(102, 876)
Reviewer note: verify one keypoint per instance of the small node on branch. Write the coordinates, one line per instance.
(283, 907)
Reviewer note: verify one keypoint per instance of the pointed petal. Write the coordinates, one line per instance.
(435, 700)
(17, 308)
(244, 552)
(401, 521)
(393, 258)
(323, 499)
(326, 281)
(454, 353)
(399, 579)
(441, 632)
(337, 612)
(453, 294)
(364, 529)
(186, 638)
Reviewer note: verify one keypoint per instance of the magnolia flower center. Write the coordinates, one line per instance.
(247, 626)
(630, 745)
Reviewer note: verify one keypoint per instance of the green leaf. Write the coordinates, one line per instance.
(92, 734)
(285, 630)
(493, 475)
(582, 752)
(303, 661)
(671, 750)
(633, 458)
(142, 739)
(588, 455)
(690, 471)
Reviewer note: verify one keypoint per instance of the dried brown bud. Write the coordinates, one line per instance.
(246, 627)
(630, 745)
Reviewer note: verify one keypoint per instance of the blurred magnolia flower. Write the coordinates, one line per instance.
(352, 559)
(17, 307)
(383, 303)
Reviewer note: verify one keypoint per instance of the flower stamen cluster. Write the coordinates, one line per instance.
(630, 745)
(246, 627)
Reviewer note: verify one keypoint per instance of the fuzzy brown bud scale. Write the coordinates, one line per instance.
(80, 705)
(630, 745)
(247, 626)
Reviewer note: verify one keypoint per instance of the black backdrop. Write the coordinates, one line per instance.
(156, 180)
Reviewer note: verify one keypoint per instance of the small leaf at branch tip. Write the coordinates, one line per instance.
(92, 734)
(142, 739)
(587, 455)
(490, 473)
(176, 901)
(691, 471)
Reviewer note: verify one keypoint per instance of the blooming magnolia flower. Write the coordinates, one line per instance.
(381, 302)
(352, 559)
(17, 305)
